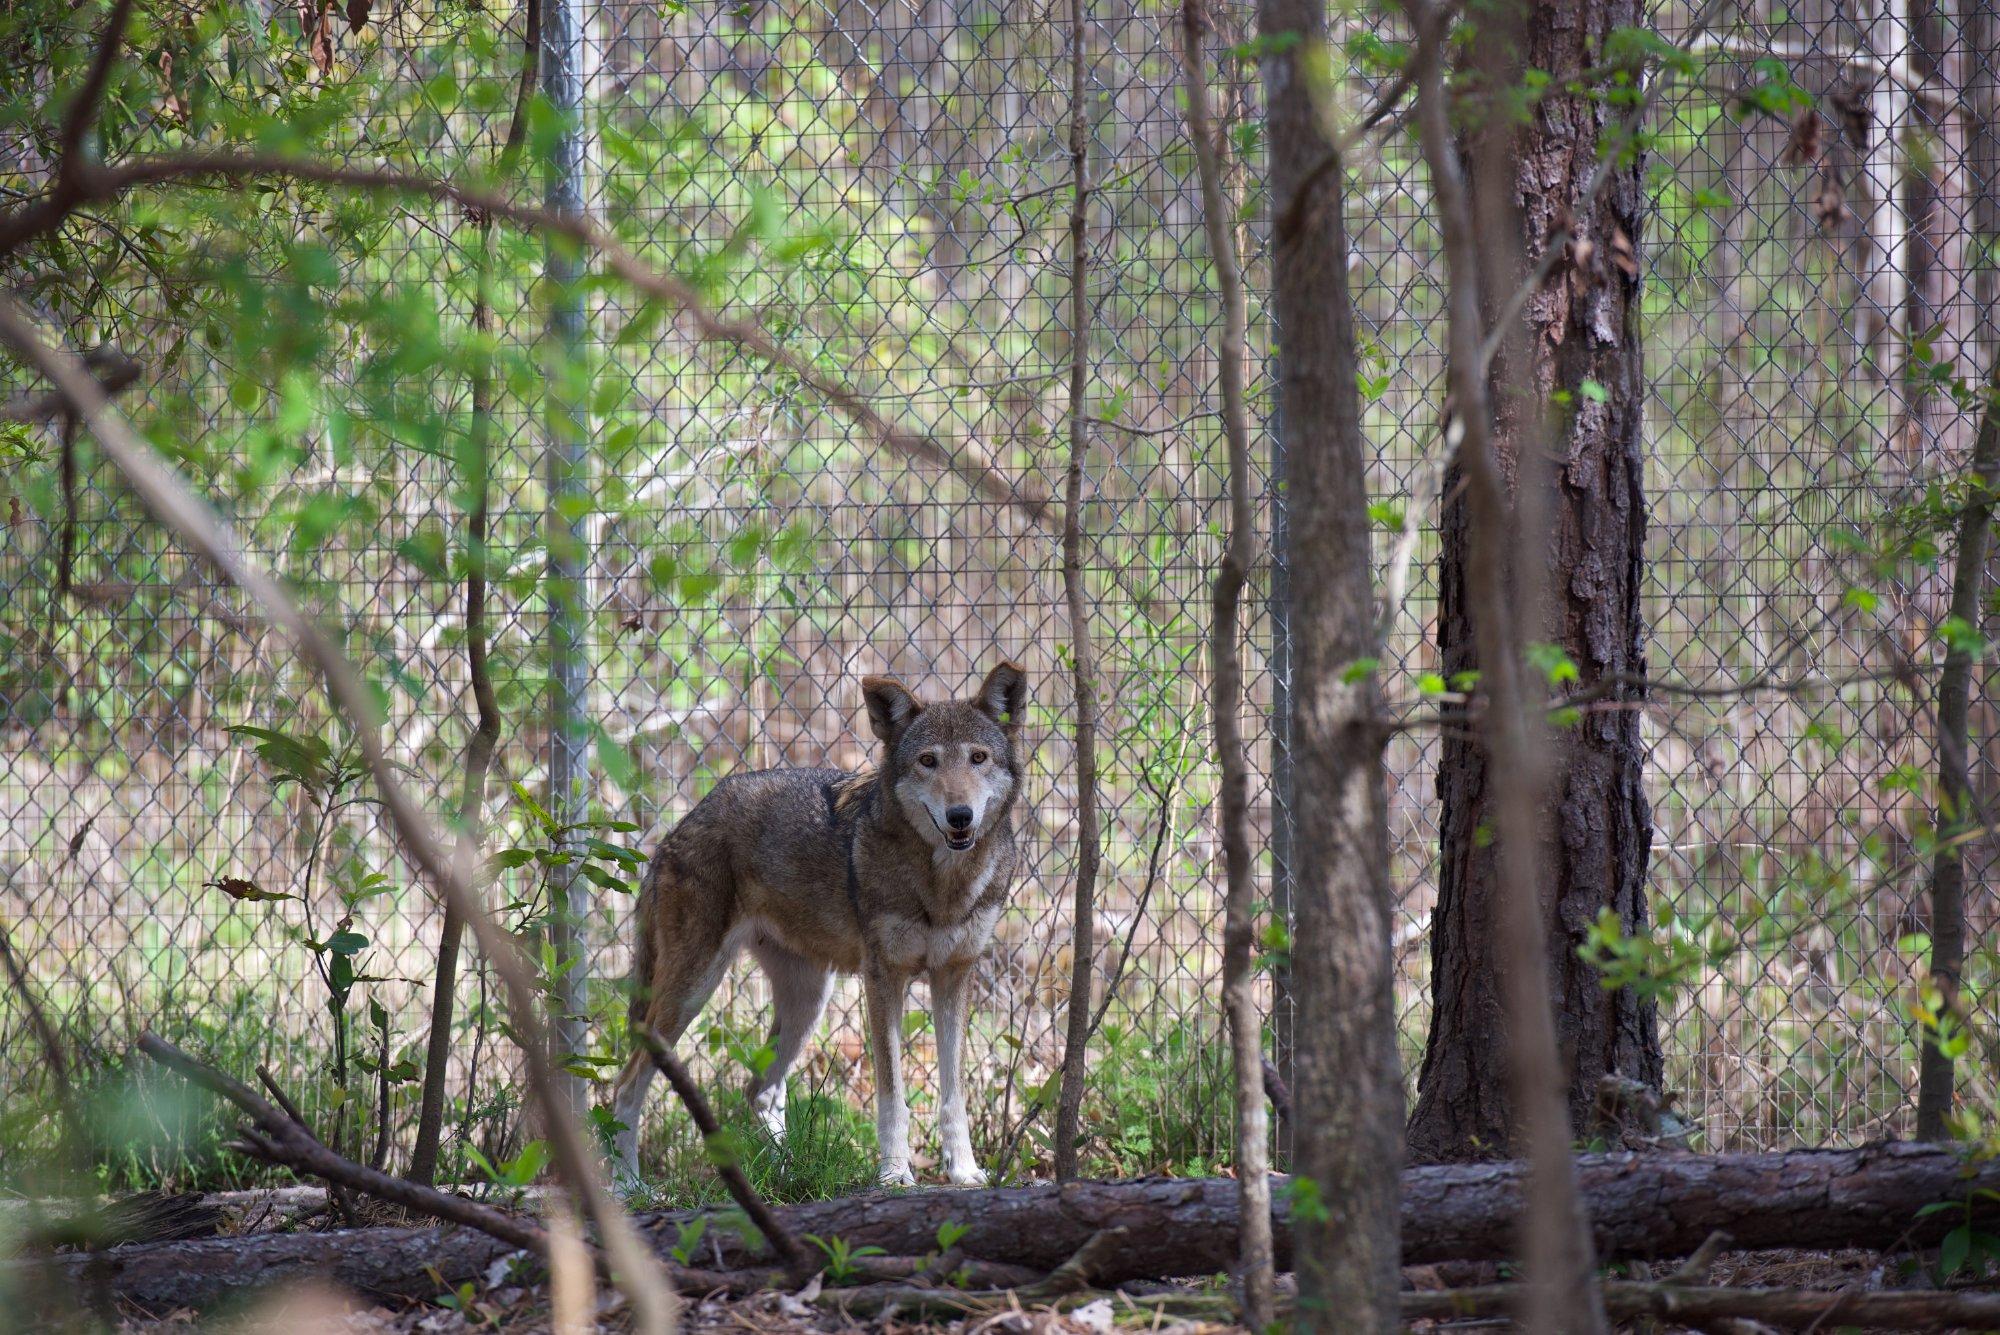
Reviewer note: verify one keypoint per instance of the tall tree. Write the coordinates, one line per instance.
(1583, 357)
(1239, 946)
(1348, 1143)
(1958, 815)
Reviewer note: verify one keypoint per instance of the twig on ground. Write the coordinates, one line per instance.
(1080, 1271)
(279, 1137)
(337, 1196)
(798, 1266)
(1695, 1269)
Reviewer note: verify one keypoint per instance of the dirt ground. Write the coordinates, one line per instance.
(517, 1310)
(520, 1311)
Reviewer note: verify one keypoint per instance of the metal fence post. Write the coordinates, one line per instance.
(567, 467)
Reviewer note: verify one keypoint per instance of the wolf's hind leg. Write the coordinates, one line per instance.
(682, 968)
(628, 1101)
(799, 991)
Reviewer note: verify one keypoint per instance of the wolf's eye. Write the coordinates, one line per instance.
(927, 760)
(979, 757)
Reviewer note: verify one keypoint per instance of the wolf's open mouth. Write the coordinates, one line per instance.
(955, 840)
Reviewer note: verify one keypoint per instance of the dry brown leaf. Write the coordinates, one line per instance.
(236, 887)
(1807, 142)
(316, 26)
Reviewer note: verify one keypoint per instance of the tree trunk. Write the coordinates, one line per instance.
(1347, 1143)
(1083, 656)
(1225, 636)
(1584, 355)
(1957, 801)
(1644, 1206)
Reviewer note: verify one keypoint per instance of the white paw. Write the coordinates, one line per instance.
(966, 1175)
(897, 1175)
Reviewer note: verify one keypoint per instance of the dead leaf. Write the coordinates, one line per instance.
(171, 105)
(1850, 99)
(1807, 142)
(357, 14)
(240, 889)
(316, 26)
(1830, 206)
(632, 621)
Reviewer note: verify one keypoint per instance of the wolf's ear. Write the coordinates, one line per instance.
(890, 706)
(1003, 696)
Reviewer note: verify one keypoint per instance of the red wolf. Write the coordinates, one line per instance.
(902, 869)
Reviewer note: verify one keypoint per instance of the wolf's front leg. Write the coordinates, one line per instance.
(950, 987)
(886, 989)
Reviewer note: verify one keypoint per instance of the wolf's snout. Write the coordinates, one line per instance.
(959, 818)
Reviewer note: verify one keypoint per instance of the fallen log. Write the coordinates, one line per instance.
(1643, 1206)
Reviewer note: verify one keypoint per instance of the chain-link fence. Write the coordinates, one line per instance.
(886, 190)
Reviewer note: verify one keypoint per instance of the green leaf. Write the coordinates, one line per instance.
(1957, 1245)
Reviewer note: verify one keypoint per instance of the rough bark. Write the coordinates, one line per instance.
(1583, 341)
(1507, 494)
(1083, 656)
(1645, 1206)
(1239, 932)
(1344, 1065)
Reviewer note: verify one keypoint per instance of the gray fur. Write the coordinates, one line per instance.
(762, 862)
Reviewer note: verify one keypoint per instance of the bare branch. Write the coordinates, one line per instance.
(113, 369)
(74, 156)
(280, 1138)
(798, 1266)
(27, 222)
(337, 1196)
(177, 508)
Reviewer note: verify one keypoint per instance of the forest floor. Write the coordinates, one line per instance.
(513, 1309)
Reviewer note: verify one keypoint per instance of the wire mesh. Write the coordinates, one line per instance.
(885, 187)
